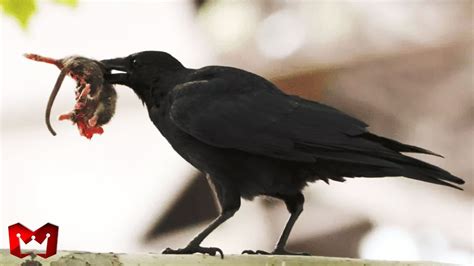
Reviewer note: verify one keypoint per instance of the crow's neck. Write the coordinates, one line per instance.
(155, 91)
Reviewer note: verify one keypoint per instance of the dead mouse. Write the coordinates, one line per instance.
(95, 98)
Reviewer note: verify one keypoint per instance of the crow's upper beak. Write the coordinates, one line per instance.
(120, 65)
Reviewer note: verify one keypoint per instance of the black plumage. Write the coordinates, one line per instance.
(252, 139)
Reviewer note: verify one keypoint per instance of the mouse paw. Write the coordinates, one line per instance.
(93, 121)
(67, 116)
(84, 92)
(79, 105)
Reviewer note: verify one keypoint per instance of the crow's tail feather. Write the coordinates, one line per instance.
(396, 164)
(435, 177)
(414, 168)
(395, 145)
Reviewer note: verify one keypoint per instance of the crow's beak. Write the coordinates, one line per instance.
(117, 70)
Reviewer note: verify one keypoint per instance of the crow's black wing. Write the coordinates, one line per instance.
(231, 108)
(234, 109)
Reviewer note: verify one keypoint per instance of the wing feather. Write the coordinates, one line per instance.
(245, 112)
(234, 109)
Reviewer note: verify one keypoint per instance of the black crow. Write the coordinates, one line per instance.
(252, 139)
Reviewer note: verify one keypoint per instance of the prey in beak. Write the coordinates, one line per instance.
(95, 98)
(117, 70)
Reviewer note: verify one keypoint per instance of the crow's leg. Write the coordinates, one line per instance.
(294, 204)
(229, 200)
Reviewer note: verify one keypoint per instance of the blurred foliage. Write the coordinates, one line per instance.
(72, 3)
(23, 10)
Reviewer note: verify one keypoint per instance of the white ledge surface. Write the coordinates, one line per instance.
(75, 258)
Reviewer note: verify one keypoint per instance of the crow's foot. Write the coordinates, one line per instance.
(255, 252)
(195, 249)
(275, 252)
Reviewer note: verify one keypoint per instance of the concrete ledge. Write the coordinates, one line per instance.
(74, 258)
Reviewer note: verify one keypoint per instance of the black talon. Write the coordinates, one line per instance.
(256, 252)
(275, 252)
(212, 251)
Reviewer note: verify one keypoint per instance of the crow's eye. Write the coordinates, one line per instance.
(136, 63)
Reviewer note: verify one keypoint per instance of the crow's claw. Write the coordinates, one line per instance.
(275, 252)
(255, 252)
(195, 249)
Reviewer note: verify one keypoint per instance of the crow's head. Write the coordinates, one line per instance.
(139, 70)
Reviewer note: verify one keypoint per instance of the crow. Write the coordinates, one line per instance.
(252, 139)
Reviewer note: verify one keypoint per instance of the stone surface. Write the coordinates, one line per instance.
(75, 258)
